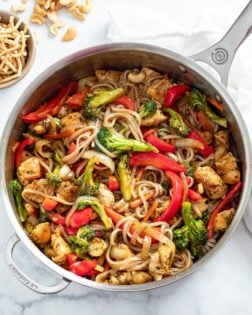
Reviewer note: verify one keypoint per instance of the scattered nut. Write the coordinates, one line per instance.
(78, 15)
(54, 28)
(47, 9)
(136, 77)
(39, 10)
(36, 18)
(52, 16)
(70, 34)
(18, 8)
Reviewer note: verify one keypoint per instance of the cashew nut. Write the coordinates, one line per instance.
(70, 34)
(136, 77)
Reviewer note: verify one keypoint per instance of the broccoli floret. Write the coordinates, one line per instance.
(149, 109)
(57, 158)
(16, 188)
(98, 208)
(123, 172)
(44, 216)
(96, 101)
(192, 234)
(176, 122)
(80, 243)
(180, 237)
(54, 177)
(198, 101)
(118, 144)
(189, 168)
(86, 183)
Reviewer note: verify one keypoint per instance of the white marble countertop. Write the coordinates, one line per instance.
(223, 286)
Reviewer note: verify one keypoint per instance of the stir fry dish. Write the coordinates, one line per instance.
(126, 177)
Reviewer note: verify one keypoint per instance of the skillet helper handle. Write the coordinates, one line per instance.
(220, 55)
(22, 277)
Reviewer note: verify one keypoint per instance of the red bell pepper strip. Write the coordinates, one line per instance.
(19, 150)
(83, 268)
(220, 206)
(72, 148)
(71, 258)
(194, 195)
(76, 165)
(113, 183)
(70, 231)
(157, 160)
(176, 199)
(70, 89)
(160, 144)
(126, 102)
(207, 150)
(175, 92)
(77, 100)
(61, 135)
(52, 106)
(57, 218)
(81, 217)
(49, 204)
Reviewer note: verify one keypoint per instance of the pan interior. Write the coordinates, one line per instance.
(118, 57)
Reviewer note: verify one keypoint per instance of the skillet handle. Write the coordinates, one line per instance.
(220, 55)
(22, 277)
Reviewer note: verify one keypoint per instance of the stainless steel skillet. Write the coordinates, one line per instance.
(125, 56)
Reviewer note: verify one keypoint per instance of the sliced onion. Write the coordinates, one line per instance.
(184, 142)
(66, 172)
(33, 220)
(104, 159)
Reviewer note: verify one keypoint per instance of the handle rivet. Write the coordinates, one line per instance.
(219, 56)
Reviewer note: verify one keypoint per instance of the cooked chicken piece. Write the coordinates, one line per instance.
(221, 138)
(223, 219)
(157, 90)
(40, 185)
(228, 168)
(139, 277)
(105, 195)
(154, 120)
(161, 208)
(97, 247)
(73, 119)
(59, 248)
(29, 209)
(207, 136)
(105, 75)
(226, 163)
(60, 208)
(41, 127)
(124, 277)
(161, 261)
(67, 190)
(149, 73)
(120, 252)
(29, 170)
(41, 234)
(231, 177)
(213, 185)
